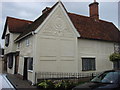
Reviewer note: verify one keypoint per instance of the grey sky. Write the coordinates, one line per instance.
(32, 10)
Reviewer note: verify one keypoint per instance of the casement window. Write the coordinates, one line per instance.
(30, 63)
(18, 45)
(88, 64)
(27, 42)
(7, 40)
(10, 61)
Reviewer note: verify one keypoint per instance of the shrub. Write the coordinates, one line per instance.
(114, 57)
(45, 84)
(64, 84)
(59, 85)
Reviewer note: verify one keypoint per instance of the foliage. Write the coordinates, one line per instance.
(114, 57)
(58, 84)
(45, 84)
(64, 84)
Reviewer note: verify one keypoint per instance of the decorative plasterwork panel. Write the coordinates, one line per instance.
(58, 26)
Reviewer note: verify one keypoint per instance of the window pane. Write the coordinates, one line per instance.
(83, 64)
(92, 64)
(18, 45)
(7, 40)
(27, 42)
(88, 63)
(30, 64)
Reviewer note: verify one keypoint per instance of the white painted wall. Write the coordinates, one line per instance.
(101, 50)
(12, 46)
(55, 48)
(56, 44)
(11, 71)
(26, 51)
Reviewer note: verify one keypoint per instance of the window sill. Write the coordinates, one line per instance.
(89, 70)
(30, 71)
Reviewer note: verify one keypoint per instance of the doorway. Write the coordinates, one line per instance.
(25, 73)
(16, 64)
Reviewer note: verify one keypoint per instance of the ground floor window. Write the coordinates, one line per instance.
(88, 64)
(30, 63)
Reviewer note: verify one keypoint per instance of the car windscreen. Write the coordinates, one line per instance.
(107, 77)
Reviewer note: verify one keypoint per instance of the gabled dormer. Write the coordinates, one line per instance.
(12, 29)
(15, 25)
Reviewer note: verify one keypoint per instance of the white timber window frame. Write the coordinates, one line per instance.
(88, 63)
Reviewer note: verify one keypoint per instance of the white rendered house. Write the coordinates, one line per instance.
(59, 41)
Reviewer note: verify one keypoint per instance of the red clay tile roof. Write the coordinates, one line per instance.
(15, 25)
(87, 27)
(90, 28)
(36, 23)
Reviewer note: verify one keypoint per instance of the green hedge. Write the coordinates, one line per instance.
(114, 57)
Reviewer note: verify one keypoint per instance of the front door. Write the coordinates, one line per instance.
(16, 64)
(25, 74)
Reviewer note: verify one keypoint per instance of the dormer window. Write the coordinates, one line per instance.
(7, 40)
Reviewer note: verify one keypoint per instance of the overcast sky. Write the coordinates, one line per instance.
(31, 9)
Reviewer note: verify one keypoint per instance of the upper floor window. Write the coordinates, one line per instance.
(18, 45)
(88, 64)
(27, 42)
(7, 40)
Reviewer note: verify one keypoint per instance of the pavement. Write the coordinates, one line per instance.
(19, 83)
